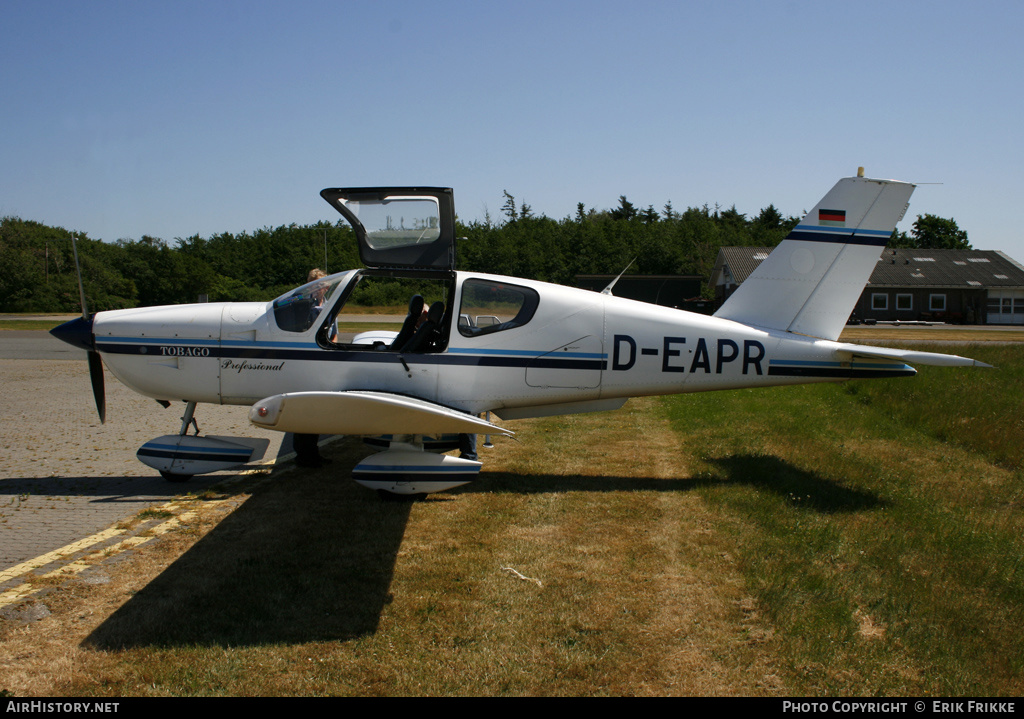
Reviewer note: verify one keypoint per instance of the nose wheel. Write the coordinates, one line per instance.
(179, 457)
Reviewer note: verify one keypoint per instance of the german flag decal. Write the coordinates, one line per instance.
(835, 218)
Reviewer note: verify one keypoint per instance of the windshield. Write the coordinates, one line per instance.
(298, 310)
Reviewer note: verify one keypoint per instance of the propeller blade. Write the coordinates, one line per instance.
(78, 333)
(81, 286)
(96, 377)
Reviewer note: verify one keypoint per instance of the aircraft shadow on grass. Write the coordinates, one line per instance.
(305, 558)
(797, 486)
(310, 557)
(809, 490)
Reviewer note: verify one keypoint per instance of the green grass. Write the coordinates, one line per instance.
(367, 326)
(45, 325)
(879, 524)
(980, 410)
(154, 513)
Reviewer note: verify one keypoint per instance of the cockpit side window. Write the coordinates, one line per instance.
(405, 302)
(489, 307)
(298, 310)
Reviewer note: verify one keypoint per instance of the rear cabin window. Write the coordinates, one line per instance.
(489, 307)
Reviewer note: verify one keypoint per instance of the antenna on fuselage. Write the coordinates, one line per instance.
(608, 290)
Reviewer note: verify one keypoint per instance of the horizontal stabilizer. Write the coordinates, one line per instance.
(848, 351)
(363, 413)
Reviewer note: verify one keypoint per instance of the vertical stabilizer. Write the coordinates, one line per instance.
(810, 283)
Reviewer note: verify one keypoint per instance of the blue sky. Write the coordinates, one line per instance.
(178, 118)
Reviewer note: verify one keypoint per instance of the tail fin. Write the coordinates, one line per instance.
(810, 283)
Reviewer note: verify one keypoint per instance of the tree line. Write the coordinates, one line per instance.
(37, 271)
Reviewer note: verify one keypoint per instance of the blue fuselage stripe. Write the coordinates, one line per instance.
(454, 356)
(459, 356)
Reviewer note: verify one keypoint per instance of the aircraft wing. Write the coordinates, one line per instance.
(846, 352)
(363, 413)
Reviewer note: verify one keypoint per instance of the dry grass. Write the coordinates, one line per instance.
(939, 333)
(314, 586)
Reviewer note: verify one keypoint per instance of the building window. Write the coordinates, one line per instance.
(937, 303)
(879, 301)
(904, 302)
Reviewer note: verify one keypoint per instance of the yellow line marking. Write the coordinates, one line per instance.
(57, 554)
(25, 590)
(17, 594)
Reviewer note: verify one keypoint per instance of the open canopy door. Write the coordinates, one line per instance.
(400, 226)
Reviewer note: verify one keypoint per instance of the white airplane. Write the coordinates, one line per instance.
(490, 344)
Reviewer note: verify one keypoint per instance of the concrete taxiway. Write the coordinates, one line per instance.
(63, 475)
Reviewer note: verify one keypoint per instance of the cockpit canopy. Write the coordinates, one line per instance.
(411, 227)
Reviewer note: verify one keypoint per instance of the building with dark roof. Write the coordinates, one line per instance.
(960, 286)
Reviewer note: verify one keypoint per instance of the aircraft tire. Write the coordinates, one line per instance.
(387, 496)
(175, 477)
